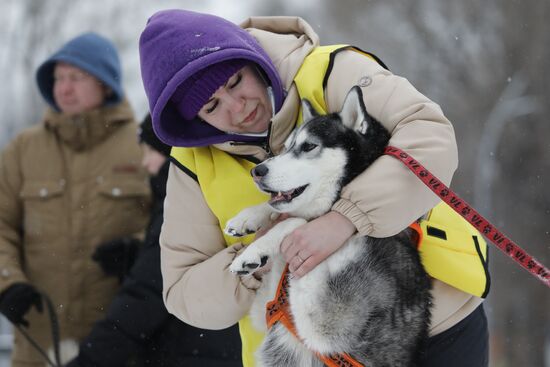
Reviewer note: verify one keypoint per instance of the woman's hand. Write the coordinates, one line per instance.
(313, 242)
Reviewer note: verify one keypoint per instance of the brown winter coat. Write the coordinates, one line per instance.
(66, 186)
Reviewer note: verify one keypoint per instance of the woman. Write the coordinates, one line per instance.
(229, 96)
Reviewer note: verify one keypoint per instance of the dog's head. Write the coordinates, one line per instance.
(325, 153)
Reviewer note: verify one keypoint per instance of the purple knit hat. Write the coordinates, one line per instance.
(177, 47)
(194, 92)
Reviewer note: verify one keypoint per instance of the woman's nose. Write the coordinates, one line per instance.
(235, 103)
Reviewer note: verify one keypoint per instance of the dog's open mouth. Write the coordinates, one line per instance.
(285, 196)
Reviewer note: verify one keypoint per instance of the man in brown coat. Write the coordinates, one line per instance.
(68, 185)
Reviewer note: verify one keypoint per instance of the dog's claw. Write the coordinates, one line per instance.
(245, 267)
(234, 233)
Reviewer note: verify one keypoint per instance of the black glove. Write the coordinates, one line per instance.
(17, 300)
(116, 257)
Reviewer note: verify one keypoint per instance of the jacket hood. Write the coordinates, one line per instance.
(90, 52)
(176, 44)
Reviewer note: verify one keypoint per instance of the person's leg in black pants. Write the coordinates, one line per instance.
(464, 345)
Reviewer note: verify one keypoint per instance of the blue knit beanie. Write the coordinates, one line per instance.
(90, 52)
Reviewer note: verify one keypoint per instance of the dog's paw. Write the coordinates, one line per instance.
(248, 262)
(248, 221)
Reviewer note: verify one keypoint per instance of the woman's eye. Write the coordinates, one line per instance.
(237, 80)
(212, 107)
(308, 147)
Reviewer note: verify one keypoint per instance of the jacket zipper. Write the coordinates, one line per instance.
(263, 144)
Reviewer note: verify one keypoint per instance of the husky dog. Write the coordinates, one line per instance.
(370, 299)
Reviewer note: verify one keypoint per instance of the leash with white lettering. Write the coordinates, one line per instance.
(460, 206)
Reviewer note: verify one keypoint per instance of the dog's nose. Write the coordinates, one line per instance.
(259, 171)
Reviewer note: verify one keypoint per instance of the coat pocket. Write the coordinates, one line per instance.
(42, 205)
(42, 190)
(122, 207)
(453, 251)
(121, 189)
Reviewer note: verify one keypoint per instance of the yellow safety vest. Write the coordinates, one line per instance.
(451, 249)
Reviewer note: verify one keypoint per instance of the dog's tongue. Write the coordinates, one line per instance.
(281, 196)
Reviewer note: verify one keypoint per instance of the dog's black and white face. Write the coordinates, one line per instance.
(321, 156)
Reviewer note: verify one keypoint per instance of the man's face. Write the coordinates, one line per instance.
(75, 91)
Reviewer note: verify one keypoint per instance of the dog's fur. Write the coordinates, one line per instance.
(370, 298)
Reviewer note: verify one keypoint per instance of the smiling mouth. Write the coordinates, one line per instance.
(285, 196)
(251, 116)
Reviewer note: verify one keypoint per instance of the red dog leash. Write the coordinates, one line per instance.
(506, 245)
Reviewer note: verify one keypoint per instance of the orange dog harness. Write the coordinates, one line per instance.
(278, 310)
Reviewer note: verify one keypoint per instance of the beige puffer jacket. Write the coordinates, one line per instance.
(66, 186)
(382, 201)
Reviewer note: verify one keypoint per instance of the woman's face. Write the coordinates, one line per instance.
(76, 91)
(241, 105)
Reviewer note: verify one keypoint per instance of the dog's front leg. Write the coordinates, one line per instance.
(250, 220)
(258, 252)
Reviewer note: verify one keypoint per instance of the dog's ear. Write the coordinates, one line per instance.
(354, 114)
(308, 112)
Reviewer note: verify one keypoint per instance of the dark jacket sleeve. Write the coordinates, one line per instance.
(136, 312)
